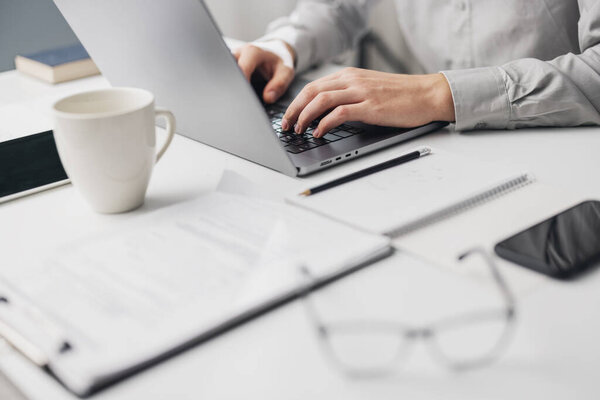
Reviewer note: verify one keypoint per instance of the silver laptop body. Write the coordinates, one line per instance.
(175, 50)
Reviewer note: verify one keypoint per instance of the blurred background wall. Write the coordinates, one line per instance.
(27, 26)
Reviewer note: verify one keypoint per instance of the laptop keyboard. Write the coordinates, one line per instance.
(295, 144)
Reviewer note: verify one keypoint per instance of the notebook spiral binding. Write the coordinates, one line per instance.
(491, 194)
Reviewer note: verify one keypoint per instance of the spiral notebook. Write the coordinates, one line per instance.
(415, 194)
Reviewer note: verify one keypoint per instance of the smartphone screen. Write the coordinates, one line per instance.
(29, 164)
(561, 246)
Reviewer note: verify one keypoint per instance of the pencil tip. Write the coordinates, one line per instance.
(305, 193)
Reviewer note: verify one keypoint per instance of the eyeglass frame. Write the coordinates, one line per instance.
(426, 332)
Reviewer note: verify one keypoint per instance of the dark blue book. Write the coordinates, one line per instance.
(60, 56)
(58, 65)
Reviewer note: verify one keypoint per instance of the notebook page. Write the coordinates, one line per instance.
(124, 297)
(406, 193)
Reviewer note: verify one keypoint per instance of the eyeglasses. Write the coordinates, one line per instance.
(374, 347)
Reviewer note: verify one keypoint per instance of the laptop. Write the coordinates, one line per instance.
(175, 50)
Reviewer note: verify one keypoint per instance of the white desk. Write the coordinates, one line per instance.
(555, 353)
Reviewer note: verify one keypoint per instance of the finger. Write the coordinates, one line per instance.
(307, 94)
(282, 77)
(341, 114)
(324, 102)
(248, 60)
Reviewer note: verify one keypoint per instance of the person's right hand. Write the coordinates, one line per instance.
(252, 59)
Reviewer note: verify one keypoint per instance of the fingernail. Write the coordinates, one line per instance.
(272, 95)
(297, 130)
(316, 133)
(285, 124)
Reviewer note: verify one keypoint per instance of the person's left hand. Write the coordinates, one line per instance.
(371, 97)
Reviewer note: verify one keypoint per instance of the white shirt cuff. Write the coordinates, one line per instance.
(299, 41)
(480, 98)
(277, 47)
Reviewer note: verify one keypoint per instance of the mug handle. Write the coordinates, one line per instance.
(170, 119)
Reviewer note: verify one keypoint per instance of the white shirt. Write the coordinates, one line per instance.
(509, 63)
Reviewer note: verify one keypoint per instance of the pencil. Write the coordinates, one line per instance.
(368, 171)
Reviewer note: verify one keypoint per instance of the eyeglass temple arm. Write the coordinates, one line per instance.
(304, 292)
(504, 288)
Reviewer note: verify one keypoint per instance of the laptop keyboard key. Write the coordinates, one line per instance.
(307, 146)
(331, 137)
(354, 130)
(293, 149)
(298, 141)
(343, 133)
(319, 141)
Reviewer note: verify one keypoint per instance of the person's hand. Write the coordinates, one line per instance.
(372, 97)
(252, 59)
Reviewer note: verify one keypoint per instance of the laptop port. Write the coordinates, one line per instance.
(348, 155)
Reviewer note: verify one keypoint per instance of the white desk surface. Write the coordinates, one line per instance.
(555, 353)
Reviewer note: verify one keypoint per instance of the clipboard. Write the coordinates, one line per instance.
(87, 344)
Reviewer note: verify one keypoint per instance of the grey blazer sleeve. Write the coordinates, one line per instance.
(319, 30)
(530, 92)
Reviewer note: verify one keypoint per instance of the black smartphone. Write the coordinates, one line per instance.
(28, 165)
(561, 246)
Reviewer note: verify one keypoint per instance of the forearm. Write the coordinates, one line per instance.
(318, 30)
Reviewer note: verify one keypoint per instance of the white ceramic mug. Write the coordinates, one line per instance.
(106, 140)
